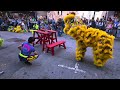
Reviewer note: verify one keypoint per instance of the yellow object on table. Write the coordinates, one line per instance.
(32, 31)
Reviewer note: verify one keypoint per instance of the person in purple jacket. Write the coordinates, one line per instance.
(26, 50)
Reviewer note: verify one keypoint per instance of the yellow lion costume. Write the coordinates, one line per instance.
(101, 42)
(16, 29)
(1, 42)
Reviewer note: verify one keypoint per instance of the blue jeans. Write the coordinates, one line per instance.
(118, 33)
(60, 32)
(109, 31)
(53, 28)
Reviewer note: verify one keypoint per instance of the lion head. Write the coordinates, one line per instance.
(71, 20)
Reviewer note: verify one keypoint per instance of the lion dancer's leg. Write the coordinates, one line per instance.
(98, 57)
(80, 51)
(101, 58)
(102, 52)
(108, 49)
(98, 49)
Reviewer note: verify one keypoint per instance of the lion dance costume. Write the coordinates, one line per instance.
(1, 42)
(16, 29)
(100, 41)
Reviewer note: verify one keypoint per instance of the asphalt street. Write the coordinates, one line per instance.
(61, 66)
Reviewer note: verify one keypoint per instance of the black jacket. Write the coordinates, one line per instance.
(93, 25)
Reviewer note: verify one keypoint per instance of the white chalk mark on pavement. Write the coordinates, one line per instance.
(96, 74)
(71, 68)
(1, 72)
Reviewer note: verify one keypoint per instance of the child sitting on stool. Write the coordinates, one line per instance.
(26, 51)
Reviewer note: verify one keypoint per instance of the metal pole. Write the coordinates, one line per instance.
(107, 14)
(89, 16)
(94, 15)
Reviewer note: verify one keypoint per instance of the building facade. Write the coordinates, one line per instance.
(81, 14)
(41, 13)
(58, 14)
(110, 14)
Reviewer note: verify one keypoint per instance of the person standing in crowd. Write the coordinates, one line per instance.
(13, 22)
(101, 24)
(47, 26)
(28, 24)
(19, 21)
(97, 23)
(42, 25)
(116, 22)
(25, 22)
(116, 18)
(93, 24)
(23, 25)
(46, 21)
(53, 24)
(39, 22)
(109, 26)
(103, 18)
(118, 30)
(59, 27)
(1, 21)
(6, 24)
(62, 24)
(86, 21)
(89, 23)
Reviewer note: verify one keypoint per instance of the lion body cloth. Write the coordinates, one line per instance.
(100, 41)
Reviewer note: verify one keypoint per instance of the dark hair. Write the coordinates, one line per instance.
(31, 39)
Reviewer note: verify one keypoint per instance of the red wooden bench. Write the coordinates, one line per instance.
(50, 47)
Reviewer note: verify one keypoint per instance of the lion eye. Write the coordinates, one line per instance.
(72, 20)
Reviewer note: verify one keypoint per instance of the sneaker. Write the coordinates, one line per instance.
(20, 60)
(28, 63)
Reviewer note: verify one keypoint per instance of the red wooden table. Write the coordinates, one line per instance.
(45, 37)
(53, 36)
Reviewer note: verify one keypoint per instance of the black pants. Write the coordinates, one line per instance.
(115, 31)
(0, 28)
(22, 58)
